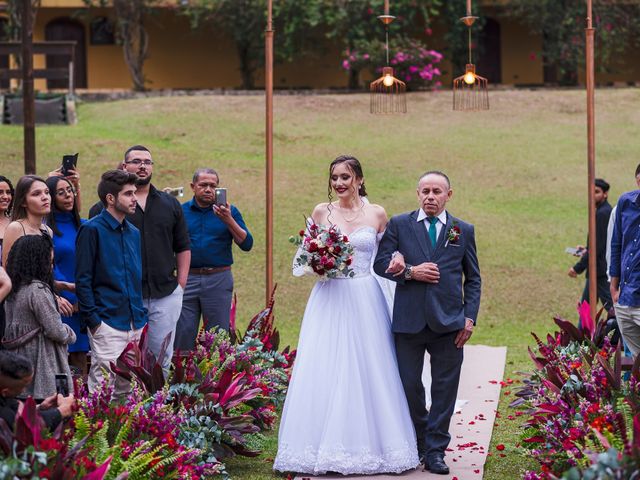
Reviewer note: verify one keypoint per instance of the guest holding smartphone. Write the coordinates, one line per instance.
(214, 226)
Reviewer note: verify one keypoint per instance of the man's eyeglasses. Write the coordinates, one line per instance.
(138, 162)
(64, 191)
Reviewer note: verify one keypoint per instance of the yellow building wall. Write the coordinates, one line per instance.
(180, 57)
(520, 53)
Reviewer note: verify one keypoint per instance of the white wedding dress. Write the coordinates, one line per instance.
(345, 410)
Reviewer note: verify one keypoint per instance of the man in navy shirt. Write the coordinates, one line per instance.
(165, 252)
(109, 277)
(212, 230)
(625, 269)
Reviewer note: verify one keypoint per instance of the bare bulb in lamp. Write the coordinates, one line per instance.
(469, 78)
(387, 80)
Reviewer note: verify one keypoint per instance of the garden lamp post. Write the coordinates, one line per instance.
(591, 157)
(268, 85)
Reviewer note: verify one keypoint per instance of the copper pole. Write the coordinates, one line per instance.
(268, 85)
(468, 8)
(28, 99)
(591, 157)
(386, 7)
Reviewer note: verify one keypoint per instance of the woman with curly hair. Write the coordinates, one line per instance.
(34, 327)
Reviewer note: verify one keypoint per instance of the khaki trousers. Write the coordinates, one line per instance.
(629, 323)
(107, 343)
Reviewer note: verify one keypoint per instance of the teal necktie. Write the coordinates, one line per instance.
(432, 230)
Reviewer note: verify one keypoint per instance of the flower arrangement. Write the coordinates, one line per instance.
(220, 394)
(324, 251)
(453, 235)
(584, 417)
(413, 62)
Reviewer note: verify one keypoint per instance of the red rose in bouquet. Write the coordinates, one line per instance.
(324, 251)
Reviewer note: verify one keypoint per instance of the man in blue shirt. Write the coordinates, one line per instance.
(625, 268)
(109, 277)
(212, 230)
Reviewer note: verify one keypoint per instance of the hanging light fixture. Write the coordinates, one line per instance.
(387, 92)
(470, 91)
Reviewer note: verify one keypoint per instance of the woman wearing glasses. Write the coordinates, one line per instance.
(64, 220)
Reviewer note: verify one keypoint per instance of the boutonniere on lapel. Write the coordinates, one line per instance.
(453, 235)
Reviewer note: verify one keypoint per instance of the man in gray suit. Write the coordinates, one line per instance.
(435, 308)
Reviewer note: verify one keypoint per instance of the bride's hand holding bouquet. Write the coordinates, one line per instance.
(323, 251)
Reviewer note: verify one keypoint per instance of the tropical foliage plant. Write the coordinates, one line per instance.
(217, 396)
(584, 417)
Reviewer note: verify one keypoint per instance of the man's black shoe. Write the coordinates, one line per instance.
(437, 465)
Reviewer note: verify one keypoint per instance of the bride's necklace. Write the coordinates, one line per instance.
(358, 212)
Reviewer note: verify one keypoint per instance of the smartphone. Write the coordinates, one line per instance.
(62, 384)
(175, 192)
(69, 162)
(221, 196)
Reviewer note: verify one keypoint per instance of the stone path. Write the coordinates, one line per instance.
(471, 428)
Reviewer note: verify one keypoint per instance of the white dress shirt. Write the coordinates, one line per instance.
(442, 221)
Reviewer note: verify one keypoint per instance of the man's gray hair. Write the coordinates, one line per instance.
(200, 171)
(435, 172)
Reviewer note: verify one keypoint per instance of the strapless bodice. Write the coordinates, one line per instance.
(364, 241)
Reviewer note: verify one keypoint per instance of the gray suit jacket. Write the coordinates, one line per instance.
(442, 306)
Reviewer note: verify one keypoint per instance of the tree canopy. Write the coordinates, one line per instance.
(562, 24)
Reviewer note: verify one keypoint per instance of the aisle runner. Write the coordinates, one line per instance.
(471, 429)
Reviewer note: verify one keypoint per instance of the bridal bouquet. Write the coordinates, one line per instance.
(323, 251)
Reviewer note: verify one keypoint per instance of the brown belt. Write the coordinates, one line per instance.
(207, 270)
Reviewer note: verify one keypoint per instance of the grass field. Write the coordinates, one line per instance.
(518, 173)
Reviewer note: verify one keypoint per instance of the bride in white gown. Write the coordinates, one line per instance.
(345, 410)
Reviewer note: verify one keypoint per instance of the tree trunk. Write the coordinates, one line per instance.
(135, 41)
(247, 68)
(354, 79)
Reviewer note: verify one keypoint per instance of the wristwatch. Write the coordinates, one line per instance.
(407, 272)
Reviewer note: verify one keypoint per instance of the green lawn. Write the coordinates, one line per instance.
(518, 173)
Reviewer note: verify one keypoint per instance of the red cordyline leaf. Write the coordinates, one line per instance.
(100, 472)
(236, 393)
(584, 311)
(539, 362)
(29, 425)
(636, 432)
(534, 439)
(570, 329)
(548, 408)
